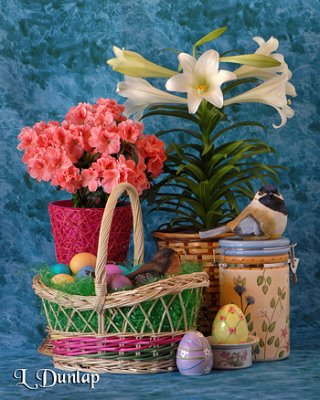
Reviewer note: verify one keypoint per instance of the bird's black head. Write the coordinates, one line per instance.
(269, 189)
(269, 196)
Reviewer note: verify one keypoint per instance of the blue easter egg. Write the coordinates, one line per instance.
(86, 272)
(60, 269)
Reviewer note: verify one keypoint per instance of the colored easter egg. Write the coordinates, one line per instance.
(86, 272)
(81, 260)
(62, 278)
(124, 270)
(119, 282)
(113, 269)
(60, 269)
(127, 271)
(229, 326)
(194, 354)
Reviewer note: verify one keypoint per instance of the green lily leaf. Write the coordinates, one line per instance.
(254, 60)
(179, 114)
(169, 49)
(238, 82)
(238, 125)
(187, 131)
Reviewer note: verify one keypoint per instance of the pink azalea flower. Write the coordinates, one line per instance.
(93, 147)
(78, 114)
(155, 166)
(231, 310)
(105, 141)
(27, 137)
(109, 172)
(103, 119)
(232, 330)
(136, 175)
(68, 179)
(123, 169)
(113, 107)
(150, 145)
(90, 178)
(130, 131)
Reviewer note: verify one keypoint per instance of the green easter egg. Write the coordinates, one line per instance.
(60, 269)
(126, 270)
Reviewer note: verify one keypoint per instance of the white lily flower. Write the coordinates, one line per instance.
(133, 64)
(267, 48)
(272, 93)
(201, 79)
(141, 94)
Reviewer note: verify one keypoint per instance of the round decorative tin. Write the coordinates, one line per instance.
(233, 356)
(254, 275)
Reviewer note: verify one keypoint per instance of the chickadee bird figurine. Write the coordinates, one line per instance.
(264, 218)
(155, 268)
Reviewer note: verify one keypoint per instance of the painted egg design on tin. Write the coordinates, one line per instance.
(194, 355)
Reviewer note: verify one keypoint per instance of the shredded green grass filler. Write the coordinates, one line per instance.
(116, 319)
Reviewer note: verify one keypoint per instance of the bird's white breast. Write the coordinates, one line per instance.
(279, 219)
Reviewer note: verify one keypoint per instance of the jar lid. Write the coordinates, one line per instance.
(236, 246)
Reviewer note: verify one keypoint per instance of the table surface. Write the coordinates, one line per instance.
(293, 378)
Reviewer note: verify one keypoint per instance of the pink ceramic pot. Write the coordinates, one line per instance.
(76, 230)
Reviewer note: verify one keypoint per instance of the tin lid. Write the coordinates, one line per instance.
(236, 246)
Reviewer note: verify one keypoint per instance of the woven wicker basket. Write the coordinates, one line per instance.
(121, 332)
(191, 248)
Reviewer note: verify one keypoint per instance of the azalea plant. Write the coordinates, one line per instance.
(91, 151)
(211, 173)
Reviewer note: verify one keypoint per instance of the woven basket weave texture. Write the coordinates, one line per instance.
(112, 315)
(76, 230)
(192, 249)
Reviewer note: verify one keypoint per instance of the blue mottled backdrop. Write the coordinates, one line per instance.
(53, 56)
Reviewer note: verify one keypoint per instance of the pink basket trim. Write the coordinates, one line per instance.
(90, 345)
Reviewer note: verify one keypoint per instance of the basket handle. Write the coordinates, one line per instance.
(138, 238)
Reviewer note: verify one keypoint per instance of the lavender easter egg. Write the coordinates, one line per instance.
(194, 355)
(119, 282)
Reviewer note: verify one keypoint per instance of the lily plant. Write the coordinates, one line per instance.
(207, 176)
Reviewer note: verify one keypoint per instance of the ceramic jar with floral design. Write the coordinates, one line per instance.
(255, 276)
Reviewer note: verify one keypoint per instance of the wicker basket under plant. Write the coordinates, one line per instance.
(191, 248)
(132, 331)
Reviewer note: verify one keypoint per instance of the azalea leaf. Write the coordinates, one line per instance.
(253, 60)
